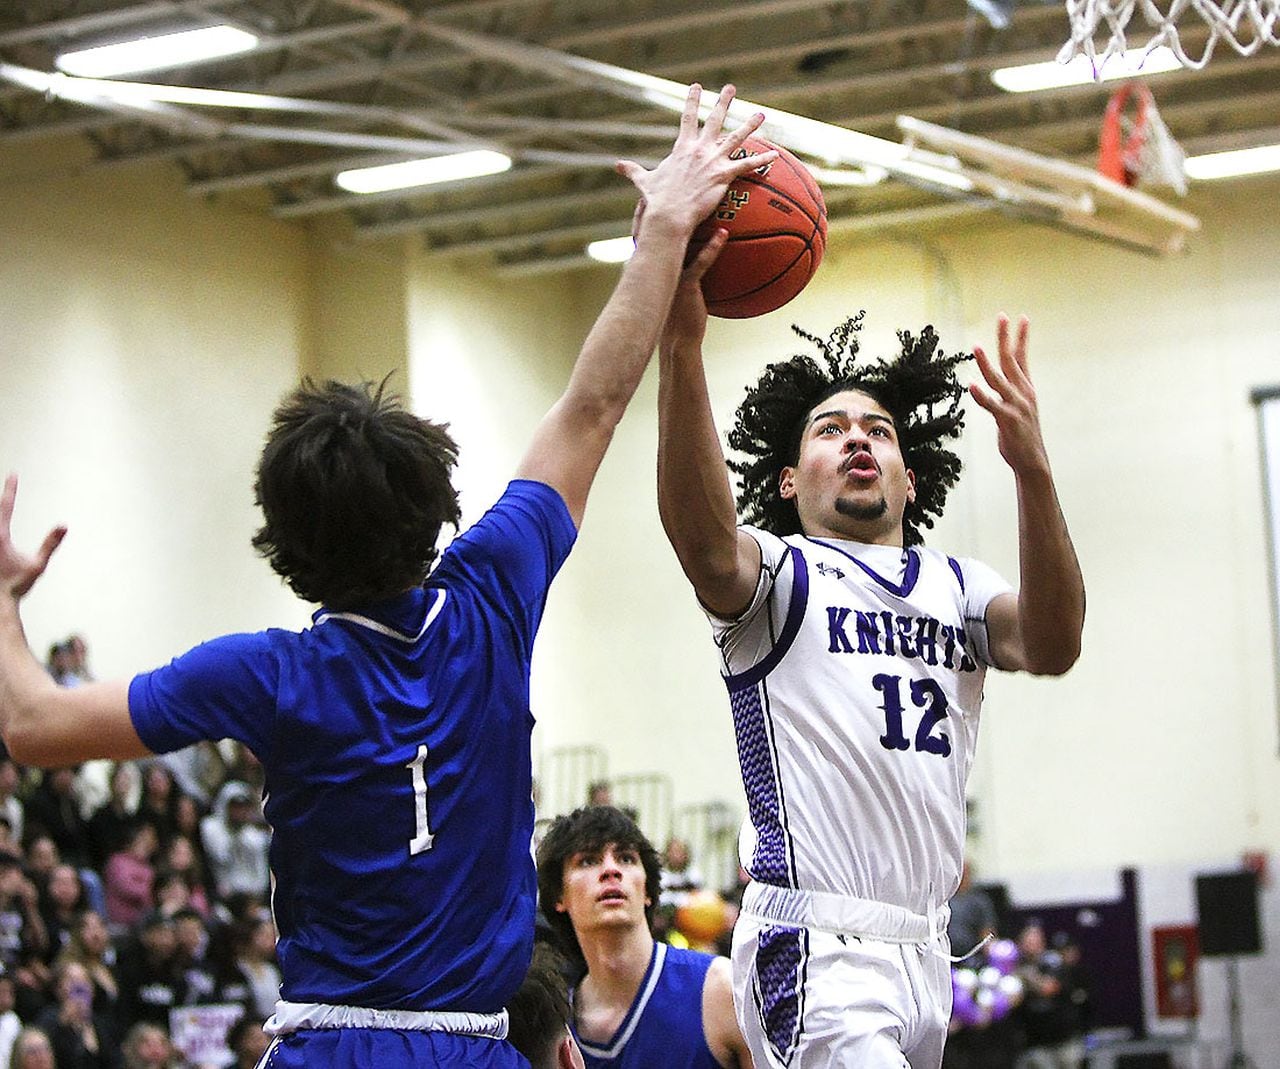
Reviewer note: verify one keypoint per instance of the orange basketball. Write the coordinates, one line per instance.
(703, 917)
(777, 225)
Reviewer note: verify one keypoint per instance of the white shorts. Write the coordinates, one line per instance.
(809, 998)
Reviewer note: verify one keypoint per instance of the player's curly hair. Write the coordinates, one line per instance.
(354, 490)
(585, 830)
(919, 389)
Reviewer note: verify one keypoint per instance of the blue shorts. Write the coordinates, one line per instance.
(387, 1048)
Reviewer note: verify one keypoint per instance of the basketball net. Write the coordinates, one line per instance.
(1141, 149)
(1099, 28)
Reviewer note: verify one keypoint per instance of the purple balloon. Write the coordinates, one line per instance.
(1003, 954)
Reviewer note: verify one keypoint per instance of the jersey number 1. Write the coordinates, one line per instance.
(421, 842)
(926, 695)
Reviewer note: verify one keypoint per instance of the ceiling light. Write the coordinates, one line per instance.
(424, 172)
(1031, 77)
(156, 53)
(1234, 163)
(612, 250)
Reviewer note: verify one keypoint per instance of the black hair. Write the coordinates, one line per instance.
(354, 490)
(588, 829)
(538, 1014)
(919, 389)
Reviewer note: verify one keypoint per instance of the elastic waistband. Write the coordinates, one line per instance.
(843, 915)
(295, 1016)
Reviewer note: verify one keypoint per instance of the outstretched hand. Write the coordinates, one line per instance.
(1011, 400)
(687, 186)
(18, 570)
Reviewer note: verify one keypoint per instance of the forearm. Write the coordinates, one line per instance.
(23, 681)
(695, 500)
(618, 349)
(1051, 592)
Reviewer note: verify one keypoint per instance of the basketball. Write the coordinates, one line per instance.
(777, 225)
(703, 917)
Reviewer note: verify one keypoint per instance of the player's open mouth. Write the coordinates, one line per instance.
(861, 466)
(612, 896)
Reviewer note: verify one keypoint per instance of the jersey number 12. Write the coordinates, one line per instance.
(926, 695)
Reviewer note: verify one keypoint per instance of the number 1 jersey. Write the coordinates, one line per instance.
(395, 741)
(855, 678)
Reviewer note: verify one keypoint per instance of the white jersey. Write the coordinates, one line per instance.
(855, 677)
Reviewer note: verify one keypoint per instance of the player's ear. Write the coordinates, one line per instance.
(911, 486)
(567, 1054)
(787, 483)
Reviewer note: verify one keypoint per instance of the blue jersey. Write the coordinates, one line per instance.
(664, 1024)
(396, 744)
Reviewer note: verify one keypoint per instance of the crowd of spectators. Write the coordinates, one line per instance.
(135, 931)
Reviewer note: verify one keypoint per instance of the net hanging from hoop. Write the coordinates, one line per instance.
(1100, 28)
(1140, 151)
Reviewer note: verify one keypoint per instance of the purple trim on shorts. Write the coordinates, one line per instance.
(778, 986)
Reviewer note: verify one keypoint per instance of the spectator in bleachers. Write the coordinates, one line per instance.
(54, 808)
(235, 845)
(42, 856)
(90, 945)
(32, 1050)
(158, 801)
(81, 1039)
(180, 858)
(11, 807)
(149, 973)
(600, 792)
(679, 875)
(248, 1042)
(61, 901)
(147, 1046)
(10, 1023)
(113, 822)
(130, 877)
(254, 948)
(22, 932)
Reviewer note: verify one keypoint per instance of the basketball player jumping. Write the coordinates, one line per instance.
(854, 659)
(395, 732)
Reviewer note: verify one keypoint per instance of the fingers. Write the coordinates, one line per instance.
(715, 121)
(734, 139)
(51, 542)
(689, 117)
(747, 164)
(630, 170)
(1013, 356)
(706, 256)
(6, 500)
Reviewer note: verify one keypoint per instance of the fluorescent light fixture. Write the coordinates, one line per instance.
(612, 250)
(1235, 163)
(1031, 77)
(156, 53)
(424, 172)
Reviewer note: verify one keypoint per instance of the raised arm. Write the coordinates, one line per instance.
(1038, 630)
(695, 500)
(42, 723)
(676, 196)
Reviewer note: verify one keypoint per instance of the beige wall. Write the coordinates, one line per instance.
(147, 335)
(145, 339)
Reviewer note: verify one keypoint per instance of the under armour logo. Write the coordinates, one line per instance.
(829, 569)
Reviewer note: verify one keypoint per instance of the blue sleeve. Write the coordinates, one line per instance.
(224, 689)
(511, 554)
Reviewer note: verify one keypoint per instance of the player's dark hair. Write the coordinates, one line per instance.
(354, 490)
(587, 830)
(919, 389)
(538, 1014)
